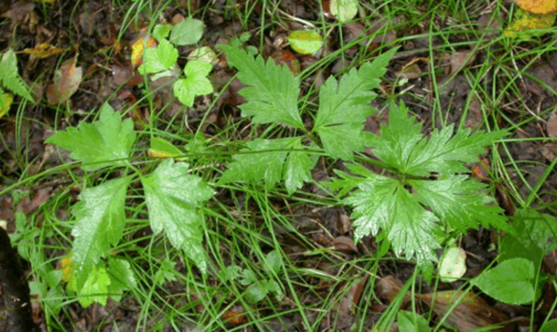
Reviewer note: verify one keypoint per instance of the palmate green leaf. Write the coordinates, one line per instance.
(160, 58)
(272, 92)
(195, 84)
(382, 203)
(457, 201)
(402, 146)
(173, 197)
(343, 109)
(271, 161)
(103, 143)
(100, 222)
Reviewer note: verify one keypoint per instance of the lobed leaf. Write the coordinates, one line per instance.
(272, 92)
(95, 288)
(343, 109)
(100, 223)
(195, 84)
(160, 58)
(457, 201)
(106, 142)
(271, 160)
(404, 147)
(382, 203)
(173, 197)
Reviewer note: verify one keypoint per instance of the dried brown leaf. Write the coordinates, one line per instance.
(472, 312)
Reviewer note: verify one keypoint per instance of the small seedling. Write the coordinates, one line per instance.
(257, 289)
(161, 61)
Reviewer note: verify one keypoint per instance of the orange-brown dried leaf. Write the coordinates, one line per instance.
(472, 312)
(66, 82)
(43, 50)
(388, 288)
(138, 47)
(235, 316)
(286, 57)
(538, 6)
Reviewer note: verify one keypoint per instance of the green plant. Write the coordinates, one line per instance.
(418, 173)
(427, 192)
(161, 61)
(257, 288)
(272, 98)
(100, 215)
(398, 204)
(517, 278)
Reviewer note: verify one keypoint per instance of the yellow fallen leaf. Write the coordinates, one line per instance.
(5, 103)
(67, 268)
(526, 24)
(43, 50)
(138, 47)
(538, 6)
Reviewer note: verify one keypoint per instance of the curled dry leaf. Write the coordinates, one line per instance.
(66, 82)
(459, 60)
(472, 312)
(344, 243)
(388, 288)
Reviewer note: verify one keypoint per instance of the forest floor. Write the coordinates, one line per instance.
(453, 66)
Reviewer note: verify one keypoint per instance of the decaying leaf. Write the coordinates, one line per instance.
(344, 10)
(66, 82)
(286, 57)
(203, 54)
(388, 288)
(538, 6)
(5, 103)
(161, 148)
(526, 24)
(67, 266)
(305, 42)
(43, 50)
(452, 265)
(472, 312)
(138, 47)
(552, 125)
